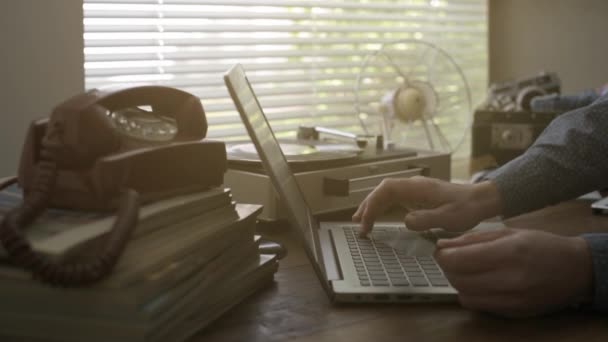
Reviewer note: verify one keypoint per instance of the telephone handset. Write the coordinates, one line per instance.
(104, 150)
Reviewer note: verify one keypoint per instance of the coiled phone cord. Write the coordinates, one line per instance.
(70, 274)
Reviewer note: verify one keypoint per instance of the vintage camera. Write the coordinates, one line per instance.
(504, 127)
(517, 95)
(499, 136)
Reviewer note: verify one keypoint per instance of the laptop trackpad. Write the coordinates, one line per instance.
(408, 243)
(412, 243)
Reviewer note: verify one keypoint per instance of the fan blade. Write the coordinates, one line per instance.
(442, 139)
(430, 67)
(429, 138)
(419, 61)
(394, 65)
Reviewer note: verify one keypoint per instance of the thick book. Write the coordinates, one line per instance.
(19, 292)
(216, 302)
(199, 306)
(62, 233)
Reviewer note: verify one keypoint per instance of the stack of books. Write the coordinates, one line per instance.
(192, 258)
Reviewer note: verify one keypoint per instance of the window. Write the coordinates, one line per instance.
(302, 56)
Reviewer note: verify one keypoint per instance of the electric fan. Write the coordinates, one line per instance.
(415, 95)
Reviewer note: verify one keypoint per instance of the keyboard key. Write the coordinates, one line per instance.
(410, 264)
(412, 269)
(377, 273)
(380, 282)
(370, 259)
(427, 264)
(419, 281)
(365, 283)
(375, 268)
(415, 274)
(400, 282)
(392, 264)
(396, 277)
(422, 259)
(439, 281)
(434, 269)
(394, 270)
(378, 278)
(407, 261)
(433, 273)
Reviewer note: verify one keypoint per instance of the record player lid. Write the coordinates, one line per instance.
(298, 152)
(309, 155)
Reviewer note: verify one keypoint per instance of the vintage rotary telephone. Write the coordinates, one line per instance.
(102, 150)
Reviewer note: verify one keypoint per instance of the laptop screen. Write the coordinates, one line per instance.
(274, 161)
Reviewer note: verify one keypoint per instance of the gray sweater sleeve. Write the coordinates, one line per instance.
(568, 159)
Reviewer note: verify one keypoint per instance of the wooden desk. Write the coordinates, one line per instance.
(296, 308)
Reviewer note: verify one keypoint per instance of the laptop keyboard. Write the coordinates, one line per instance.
(377, 264)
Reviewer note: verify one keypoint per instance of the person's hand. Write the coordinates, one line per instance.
(515, 272)
(431, 203)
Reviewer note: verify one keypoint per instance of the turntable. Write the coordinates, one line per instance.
(334, 176)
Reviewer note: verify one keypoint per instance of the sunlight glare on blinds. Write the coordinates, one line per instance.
(302, 56)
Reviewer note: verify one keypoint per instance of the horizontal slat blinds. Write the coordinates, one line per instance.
(302, 56)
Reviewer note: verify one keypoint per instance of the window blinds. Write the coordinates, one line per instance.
(302, 56)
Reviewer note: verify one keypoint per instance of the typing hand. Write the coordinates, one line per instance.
(515, 272)
(431, 203)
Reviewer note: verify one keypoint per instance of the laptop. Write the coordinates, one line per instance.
(391, 265)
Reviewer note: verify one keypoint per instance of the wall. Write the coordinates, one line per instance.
(566, 36)
(41, 63)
